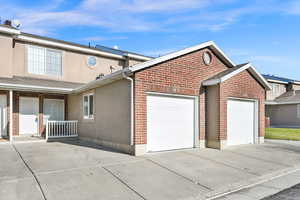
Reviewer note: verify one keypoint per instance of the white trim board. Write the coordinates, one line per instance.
(161, 59)
(249, 67)
(281, 103)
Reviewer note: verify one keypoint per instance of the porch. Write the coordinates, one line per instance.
(35, 116)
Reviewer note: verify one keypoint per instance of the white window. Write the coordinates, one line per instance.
(54, 109)
(44, 61)
(298, 111)
(88, 106)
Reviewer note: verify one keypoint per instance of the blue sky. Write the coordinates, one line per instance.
(264, 32)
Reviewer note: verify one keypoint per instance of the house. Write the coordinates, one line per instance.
(37, 73)
(283, 102)
(195, 97)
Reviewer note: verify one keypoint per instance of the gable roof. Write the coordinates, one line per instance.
(227, 74)
(176, 54)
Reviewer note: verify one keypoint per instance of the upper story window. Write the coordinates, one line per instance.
(44, 61)
(88, 106)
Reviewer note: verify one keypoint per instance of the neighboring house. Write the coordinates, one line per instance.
(283, 102)
(195, 97)
(37, 73)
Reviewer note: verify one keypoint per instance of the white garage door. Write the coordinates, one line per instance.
(170, 123)
(240, 122)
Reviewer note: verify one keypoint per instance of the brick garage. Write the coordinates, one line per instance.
(184, 75)
(175, 101)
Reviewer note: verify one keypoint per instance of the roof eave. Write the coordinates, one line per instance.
(33, 88)
(185, 51)
(118, 75)
(249, 67)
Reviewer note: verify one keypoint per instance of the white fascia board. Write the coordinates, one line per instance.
(9, 30)
(66, 46)
(139, 57)
(276, 81)
(281, 103)
(222, 54)
(180, 53)
(101, 81)
(34, 88)
(260, 78)
(211, 82)
(224, 78)
(248, 66)
(232, 74)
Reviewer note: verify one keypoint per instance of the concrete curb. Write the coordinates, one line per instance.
(251, 183)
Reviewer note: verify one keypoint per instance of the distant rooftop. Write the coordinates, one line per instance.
(277, 78)
(97, 47)
(117, 51)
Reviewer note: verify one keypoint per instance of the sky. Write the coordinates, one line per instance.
(263, 32)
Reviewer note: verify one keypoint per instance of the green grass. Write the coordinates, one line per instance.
(282, 134)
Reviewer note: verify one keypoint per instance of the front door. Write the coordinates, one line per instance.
(29, 110)
(3, 116)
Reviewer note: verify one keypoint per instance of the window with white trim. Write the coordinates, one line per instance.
(298, 111)
(88, 106)
(44, 61)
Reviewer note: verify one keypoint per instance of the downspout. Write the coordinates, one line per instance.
(131, 106)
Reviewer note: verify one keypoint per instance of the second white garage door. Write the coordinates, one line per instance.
(240, 122)
(170, 123)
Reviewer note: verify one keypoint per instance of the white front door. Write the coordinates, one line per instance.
(3, 116)
(54, 109)
(29, 110)
(170, 123)
(240, 122)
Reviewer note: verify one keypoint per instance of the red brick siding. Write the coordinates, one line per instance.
(182, 75)
(242, 85)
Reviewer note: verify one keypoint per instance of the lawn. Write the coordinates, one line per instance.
(282, 134)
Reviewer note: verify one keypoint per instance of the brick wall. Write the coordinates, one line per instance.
(182, 75)
(242, 85)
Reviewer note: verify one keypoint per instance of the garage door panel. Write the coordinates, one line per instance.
(170, 123)
(240, 122)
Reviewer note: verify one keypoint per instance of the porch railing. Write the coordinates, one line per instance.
(61, 129)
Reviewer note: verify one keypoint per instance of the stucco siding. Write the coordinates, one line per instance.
(6, 56)
(213, 108)
(74, 65)
(111, 121)
(283, 115)
(277, 89)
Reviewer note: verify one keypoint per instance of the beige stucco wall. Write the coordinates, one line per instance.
(272, 94)
(111, 123)
(74, 65)
(6, 56)
(212, 114)
(296, 87)
(13, 61)
(281, 115)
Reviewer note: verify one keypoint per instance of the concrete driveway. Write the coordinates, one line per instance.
(79, 170)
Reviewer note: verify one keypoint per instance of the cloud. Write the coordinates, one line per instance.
(139, 15)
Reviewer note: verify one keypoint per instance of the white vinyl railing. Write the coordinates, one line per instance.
(61, 129)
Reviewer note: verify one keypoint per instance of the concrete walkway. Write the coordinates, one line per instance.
(80, 170)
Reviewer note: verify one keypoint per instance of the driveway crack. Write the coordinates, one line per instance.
(32, 172)
(119, 179)
(170, 170)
